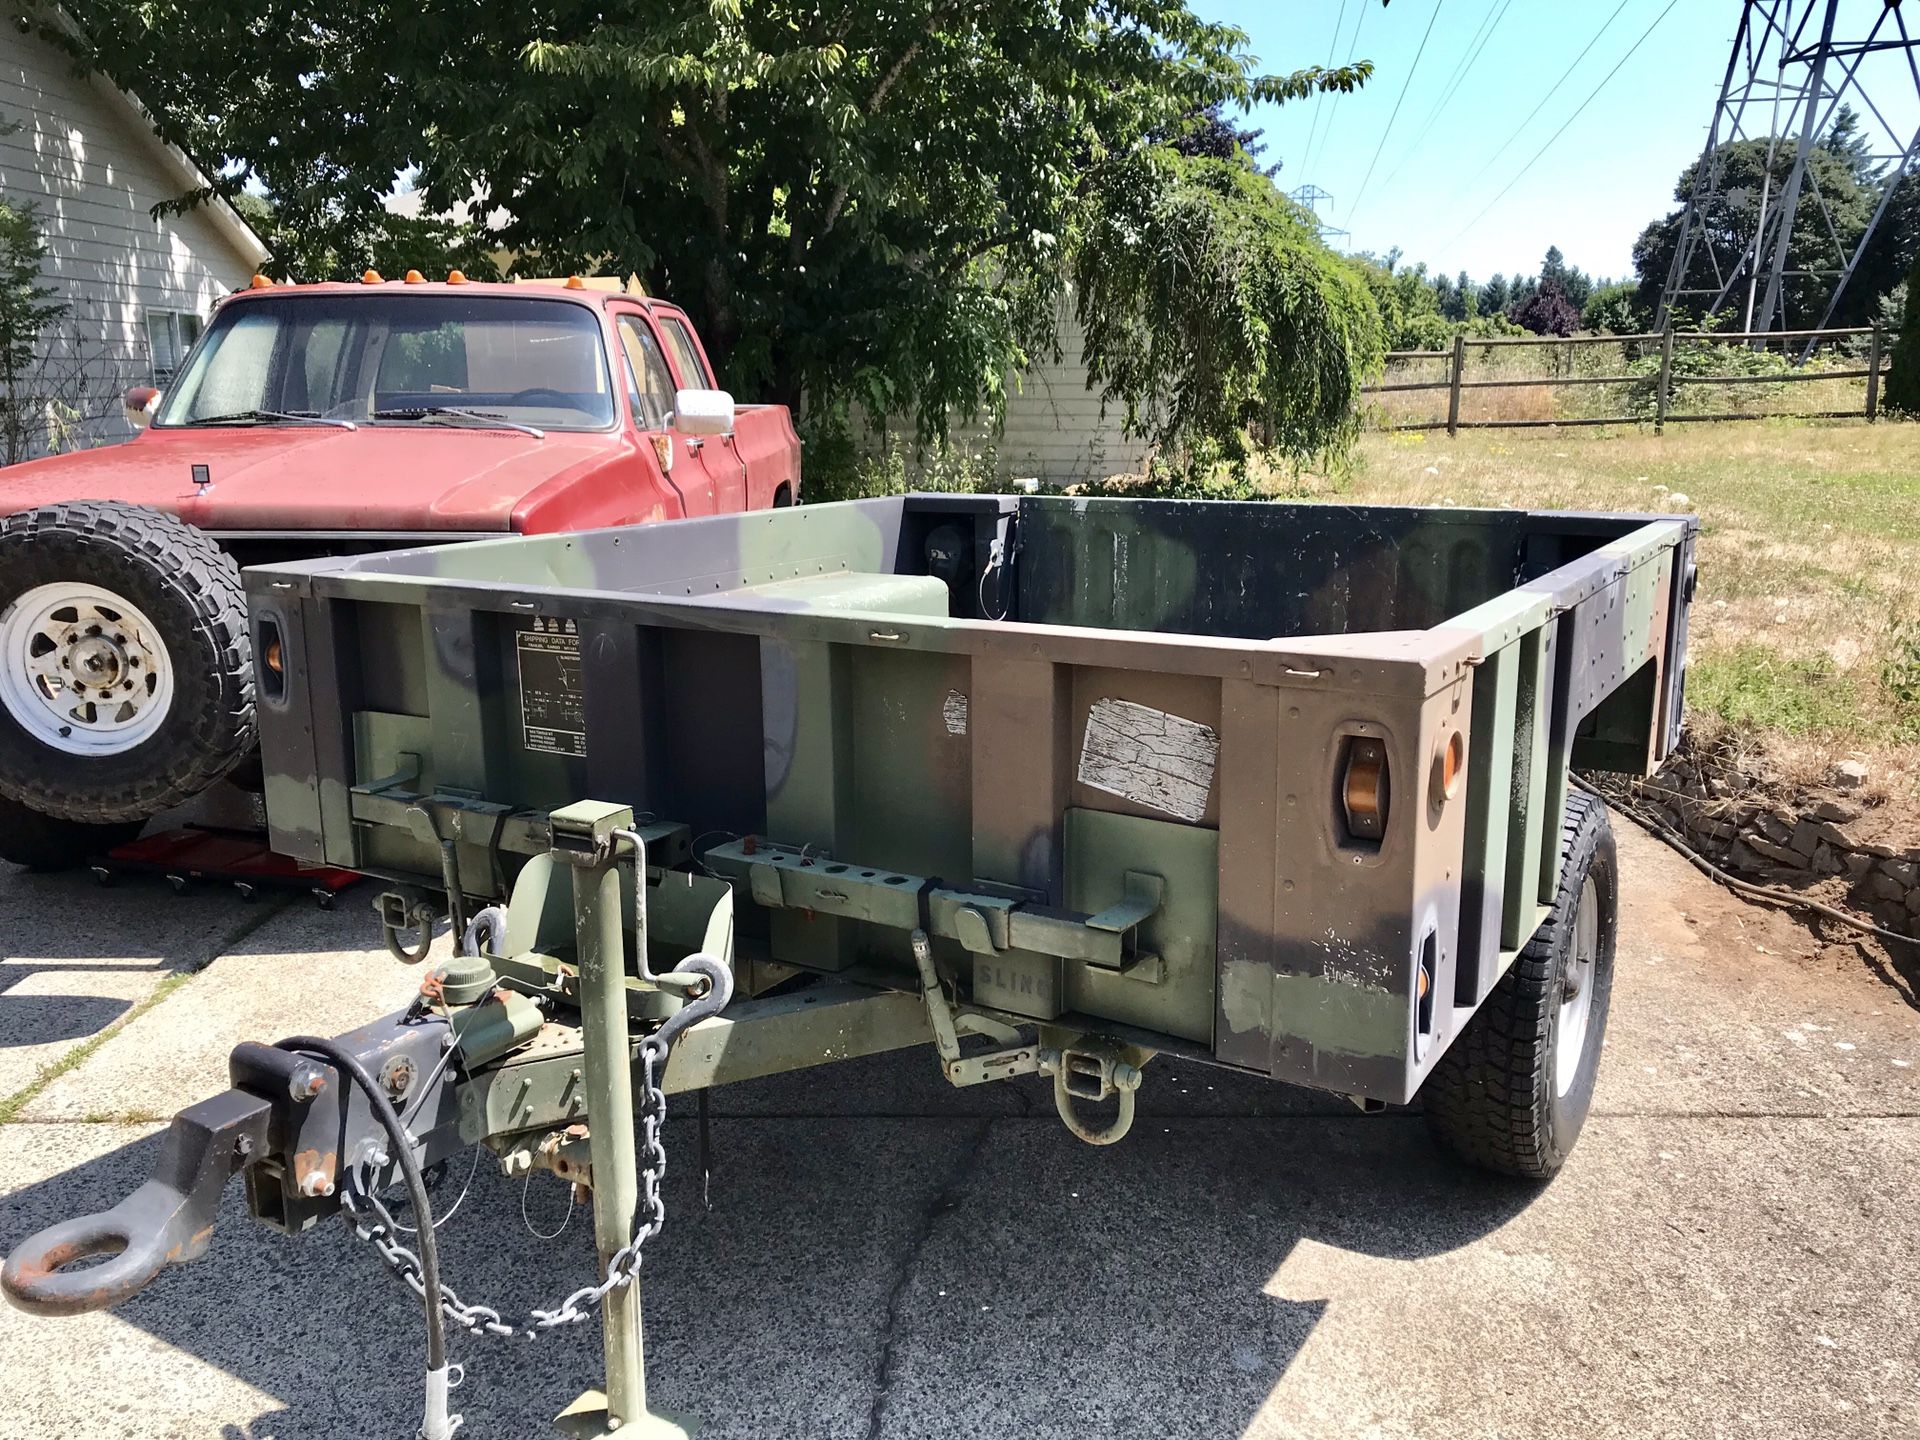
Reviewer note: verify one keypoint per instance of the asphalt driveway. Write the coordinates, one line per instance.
(1733, 1251)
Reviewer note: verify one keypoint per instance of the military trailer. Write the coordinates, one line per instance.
(1051, 785)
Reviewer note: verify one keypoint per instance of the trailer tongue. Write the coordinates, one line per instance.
(1023, 779)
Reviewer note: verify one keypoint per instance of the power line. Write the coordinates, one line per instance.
(1411, 71)
(1320, 101)
(1353, 51)
(1489, 23)
(1644, 35)
(1552, 90)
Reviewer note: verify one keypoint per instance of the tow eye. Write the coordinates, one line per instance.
(169, 1219)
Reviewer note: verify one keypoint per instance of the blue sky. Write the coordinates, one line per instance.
(1591, 193)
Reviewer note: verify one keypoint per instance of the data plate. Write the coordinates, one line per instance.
(553, 717)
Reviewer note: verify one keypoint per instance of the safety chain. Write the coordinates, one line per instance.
(370, 1220)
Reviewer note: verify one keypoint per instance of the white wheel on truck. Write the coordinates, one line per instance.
(1512, 1092)
(82, 669)
(126, 666)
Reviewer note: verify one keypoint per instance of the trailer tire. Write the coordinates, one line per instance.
(1509, 1095)
(40, 842)
(153, 610)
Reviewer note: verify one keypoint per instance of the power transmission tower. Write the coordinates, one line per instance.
(1797, 62)
(1311, 197)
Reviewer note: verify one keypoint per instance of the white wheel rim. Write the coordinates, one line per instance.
(83, 670)
(1576, 992)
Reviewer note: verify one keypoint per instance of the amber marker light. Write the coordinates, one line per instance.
(1449, 764)
(574, 282)
(260, 282)
(274, 661)
(1364, 788)
(370, 277)
(456, 277)
(414, 277)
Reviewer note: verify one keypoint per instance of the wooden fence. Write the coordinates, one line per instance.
(1665, 380)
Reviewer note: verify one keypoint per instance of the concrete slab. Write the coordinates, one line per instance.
(304, 970)
(75, 957)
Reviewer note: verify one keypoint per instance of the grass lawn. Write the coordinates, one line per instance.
(1806, 628)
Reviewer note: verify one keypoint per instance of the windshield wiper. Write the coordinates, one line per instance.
(264, 417)
(455, 412)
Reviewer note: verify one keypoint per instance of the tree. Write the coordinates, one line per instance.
(1612, 309)
(1211, 309)
(1903, 379)
(27, 308)
(1469, 297)
(871, 205)
(1494, 296)
(1730, 220)
(1547, 311)
(1211, 134)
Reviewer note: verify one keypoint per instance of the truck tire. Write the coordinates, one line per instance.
(150, 611)
(41, 842)
(1512, 1092)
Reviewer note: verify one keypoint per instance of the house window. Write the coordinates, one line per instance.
(170, 334)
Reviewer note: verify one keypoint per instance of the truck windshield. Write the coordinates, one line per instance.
(396, 359)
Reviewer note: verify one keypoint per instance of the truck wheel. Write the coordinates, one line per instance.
(1513, 1091)
(41, 842)
(126, 677)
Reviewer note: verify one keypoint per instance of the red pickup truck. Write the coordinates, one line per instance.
(312, 420)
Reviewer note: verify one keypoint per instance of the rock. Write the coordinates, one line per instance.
(1823, 860)
(1806, 837)
(1678, 500)
(1777, 828)
(1885, 887)
(1849, 774)
(1708, 828)
(1904, 871)
(1743, 859)
(1856, 864)
(1913, 903)
(1836, 812)
(1779, 854)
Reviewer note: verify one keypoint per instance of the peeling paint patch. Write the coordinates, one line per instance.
(1155, 759)
(953, 712)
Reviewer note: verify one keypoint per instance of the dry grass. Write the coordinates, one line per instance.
(1806, 629)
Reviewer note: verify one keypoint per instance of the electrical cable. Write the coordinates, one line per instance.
(1489, 23)
(1412, 70)
(1645, 35)
(1786, 899)
(400, 1143)
(1320, 100)
(1552, 90)
(1353, 52)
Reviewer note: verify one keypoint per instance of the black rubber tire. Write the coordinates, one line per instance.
(1491, 1099)
(41, 842)
(191, 591)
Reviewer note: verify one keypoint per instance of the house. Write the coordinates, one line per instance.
(138, 288)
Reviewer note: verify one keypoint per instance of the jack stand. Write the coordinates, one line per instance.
(583, 836)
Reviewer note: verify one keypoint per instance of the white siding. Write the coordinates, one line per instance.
(85, 159)
(1054, 428)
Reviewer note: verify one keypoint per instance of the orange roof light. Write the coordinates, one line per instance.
(414, 277)
(372, 277)
(260, 282)
(574, 282)
(456, 277)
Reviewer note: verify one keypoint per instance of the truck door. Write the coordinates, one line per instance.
(650, 397)
(720, 452)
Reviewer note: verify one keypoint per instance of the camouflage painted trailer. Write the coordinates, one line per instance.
(1054, 785)
(914, 712)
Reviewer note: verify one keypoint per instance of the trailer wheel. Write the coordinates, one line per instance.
(126, 677)
(1513, 1091)
(41, 842)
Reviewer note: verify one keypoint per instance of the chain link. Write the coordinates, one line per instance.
(371, 1221)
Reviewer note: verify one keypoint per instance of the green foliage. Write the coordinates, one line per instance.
(1695, 360)
(870, 206)
(1756, 688)
(1900, 673)
(27, 308)
(1495, 296)
(1613, 309)
(1903, 379)
(938, 468)
(1211, 309)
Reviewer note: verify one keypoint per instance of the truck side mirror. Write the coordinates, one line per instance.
(141, 401)
(703, 412)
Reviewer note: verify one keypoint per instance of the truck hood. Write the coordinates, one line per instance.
(294, 478)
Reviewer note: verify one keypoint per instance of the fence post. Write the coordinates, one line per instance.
(1453, 386)
(1873, 376)
(1665, 389)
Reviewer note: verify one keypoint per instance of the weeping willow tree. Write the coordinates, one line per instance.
(1214, 314)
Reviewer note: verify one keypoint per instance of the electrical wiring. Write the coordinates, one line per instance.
(1412, 70)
